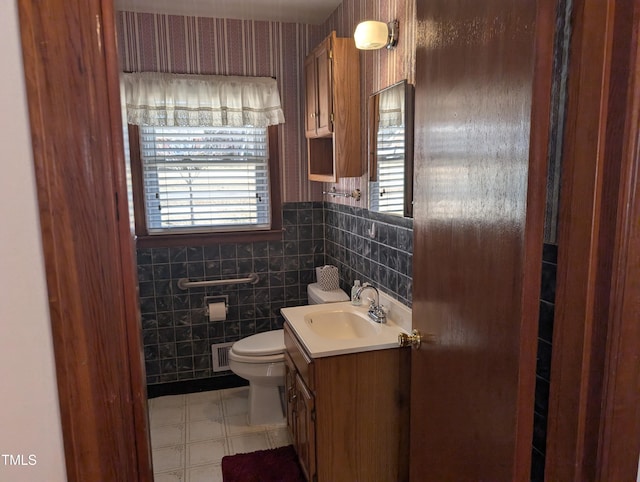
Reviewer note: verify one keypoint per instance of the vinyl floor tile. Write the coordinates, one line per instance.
(191, 433)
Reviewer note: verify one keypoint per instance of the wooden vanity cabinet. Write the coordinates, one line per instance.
(332, 110)
(301, 419)
(348, 415)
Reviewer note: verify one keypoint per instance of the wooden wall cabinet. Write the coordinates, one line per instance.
(348, 415)
(332, 110)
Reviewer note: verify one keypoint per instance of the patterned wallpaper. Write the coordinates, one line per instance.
(202, 45)
(378, 68)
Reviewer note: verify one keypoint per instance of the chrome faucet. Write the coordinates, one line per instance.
(376, 312)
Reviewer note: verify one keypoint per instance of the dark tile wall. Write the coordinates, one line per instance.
(543, 368)
(177, 334)
(385, 260)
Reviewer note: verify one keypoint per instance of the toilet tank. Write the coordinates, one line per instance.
(317, 295)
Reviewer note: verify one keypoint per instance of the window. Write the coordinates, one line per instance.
(204, 156)
(387, 194)
(204, 180)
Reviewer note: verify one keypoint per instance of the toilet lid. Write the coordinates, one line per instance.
(267, 343)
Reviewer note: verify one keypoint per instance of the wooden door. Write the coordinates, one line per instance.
(480, 174)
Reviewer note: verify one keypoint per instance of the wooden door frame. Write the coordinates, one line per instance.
(594, 405)
(612, 403)
(72, 78)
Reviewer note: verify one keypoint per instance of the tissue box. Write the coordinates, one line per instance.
(328, 277)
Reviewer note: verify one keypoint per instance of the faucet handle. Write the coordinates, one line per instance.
(378, 314)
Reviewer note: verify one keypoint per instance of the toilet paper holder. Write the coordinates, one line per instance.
(216, 299)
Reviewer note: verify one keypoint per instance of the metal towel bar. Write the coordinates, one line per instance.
(185, 283)
(355, 194)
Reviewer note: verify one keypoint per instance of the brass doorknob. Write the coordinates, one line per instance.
(415, 339)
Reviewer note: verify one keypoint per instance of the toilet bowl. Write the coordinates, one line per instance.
(260, 360)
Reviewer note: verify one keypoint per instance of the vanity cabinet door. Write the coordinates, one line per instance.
(290, 394)
(305, 428)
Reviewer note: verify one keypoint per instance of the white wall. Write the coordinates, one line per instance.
(29, 413)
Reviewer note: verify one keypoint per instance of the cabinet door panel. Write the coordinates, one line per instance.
(311, 96)
(324, 88)
(305, 436)
(290, 394)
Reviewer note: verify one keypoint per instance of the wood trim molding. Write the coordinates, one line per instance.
(137, 180)
(592, 308)
(69, 58)
(129, 266)
(534, 229)
(619, 444)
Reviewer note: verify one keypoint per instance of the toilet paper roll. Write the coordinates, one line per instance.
(217, 311)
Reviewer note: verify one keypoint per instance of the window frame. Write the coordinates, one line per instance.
(146, 240)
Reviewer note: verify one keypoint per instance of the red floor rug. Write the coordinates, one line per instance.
(273, 465)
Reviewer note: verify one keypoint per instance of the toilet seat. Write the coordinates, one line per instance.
(255, 359)
(261, 344)
(267, 347)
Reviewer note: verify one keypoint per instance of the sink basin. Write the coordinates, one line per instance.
(340, 328)
(341, 325)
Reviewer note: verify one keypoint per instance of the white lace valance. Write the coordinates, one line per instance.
(392, 107)
(156, 99)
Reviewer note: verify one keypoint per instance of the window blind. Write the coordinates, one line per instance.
(389, 189)
(200, 179)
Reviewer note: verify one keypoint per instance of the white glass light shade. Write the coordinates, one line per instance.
(371, 35)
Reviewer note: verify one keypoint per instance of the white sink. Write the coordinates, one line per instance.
(340, 328)
(341, 324)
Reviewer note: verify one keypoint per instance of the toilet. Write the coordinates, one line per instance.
(260, 360)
